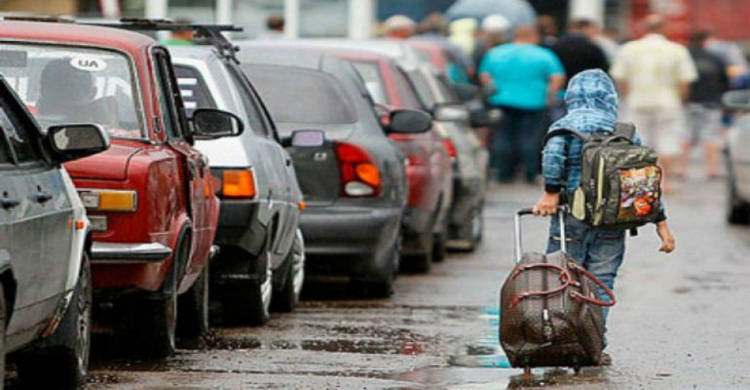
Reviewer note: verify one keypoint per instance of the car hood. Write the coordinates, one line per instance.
(111, 164)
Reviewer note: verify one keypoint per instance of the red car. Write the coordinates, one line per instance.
(150, 197)
(429, 156)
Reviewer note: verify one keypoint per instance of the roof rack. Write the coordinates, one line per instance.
(209, 33)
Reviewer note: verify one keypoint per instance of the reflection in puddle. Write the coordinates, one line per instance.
(556, 377)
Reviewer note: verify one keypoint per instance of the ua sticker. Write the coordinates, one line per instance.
(89, 64)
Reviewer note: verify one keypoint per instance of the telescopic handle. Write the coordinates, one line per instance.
(519, 236)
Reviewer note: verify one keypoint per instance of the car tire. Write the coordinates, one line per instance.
(148, 321)
(440, 245)
(248, 301)
(192, 306)
(61, 361)
(3, 326)
(737, 210)
(382, 286)
(470, 234)
(287, 297)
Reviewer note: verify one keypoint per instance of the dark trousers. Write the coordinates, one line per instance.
(517, 139)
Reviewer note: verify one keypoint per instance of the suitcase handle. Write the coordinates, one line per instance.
(562, 210)
(565, 280)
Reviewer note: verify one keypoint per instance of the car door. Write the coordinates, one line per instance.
(281, 170)
(201, 200)
(38, 214)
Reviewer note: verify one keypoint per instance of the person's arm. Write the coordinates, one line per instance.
(553, 170)
(662, 227)
(687, 73)
(556, 83)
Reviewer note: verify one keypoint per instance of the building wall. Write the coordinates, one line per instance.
(46, 7)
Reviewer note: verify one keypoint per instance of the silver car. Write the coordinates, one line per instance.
(45, 279)
(737, 159)
(261, 261)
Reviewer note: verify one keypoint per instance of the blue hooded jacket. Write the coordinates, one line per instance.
(591, 101)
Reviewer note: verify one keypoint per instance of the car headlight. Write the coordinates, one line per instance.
(109, 200)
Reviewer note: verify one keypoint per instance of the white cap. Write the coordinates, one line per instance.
(399, 22)
(495, 23)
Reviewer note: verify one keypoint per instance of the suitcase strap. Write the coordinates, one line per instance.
(575, 294)
(565, 279)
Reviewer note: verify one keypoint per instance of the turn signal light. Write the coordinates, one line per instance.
(110, 200)
(238, 183)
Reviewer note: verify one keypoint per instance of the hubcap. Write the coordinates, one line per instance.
(266, 288)
(298, 264)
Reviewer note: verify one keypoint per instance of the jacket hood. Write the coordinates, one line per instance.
(591, 100)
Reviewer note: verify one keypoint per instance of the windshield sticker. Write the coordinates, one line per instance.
(89, 64)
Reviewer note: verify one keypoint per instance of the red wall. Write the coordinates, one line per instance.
(728, 19)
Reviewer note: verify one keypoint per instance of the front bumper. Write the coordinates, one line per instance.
(349, 240)
(239, 226)
(467, 195)
(129, 253)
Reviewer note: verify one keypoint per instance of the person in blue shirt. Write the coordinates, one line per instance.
(525, 78)
(591, 102)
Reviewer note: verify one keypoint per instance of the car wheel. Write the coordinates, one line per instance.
(192, 306)
(382, 286)
(62, 360)
(287, 298)
(148, 321)
(248, 301)
(470, 234)
(737, 210)
(440, 245)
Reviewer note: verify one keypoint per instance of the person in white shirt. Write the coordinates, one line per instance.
(654, 75)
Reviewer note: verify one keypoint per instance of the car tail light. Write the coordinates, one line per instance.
(451, 148)
(360, 177)
(238, 183)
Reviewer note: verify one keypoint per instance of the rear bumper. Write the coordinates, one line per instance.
(129, 253)
(349, 240)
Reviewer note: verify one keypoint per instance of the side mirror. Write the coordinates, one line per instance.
(466, 92)
(71, 142)
(450, 112)
(209, 123)
(736, 100)
(409, 122)
(305, 139)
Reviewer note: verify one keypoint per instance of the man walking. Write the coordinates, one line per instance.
(704, 106)
(526, 78)
(592, 108)
(655, 75)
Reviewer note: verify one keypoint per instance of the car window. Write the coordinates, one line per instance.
(297, 95)
(21, 142)
(405, 90)
(65, 84)
(446, 91)
(252, 106)
(370, 73)
(168, 94)
(193, 89)
(422, 87)
(7, 134)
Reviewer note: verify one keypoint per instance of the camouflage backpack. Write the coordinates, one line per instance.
(620, 181)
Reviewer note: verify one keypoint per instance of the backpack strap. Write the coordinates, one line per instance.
(625, 129)
(562, 132)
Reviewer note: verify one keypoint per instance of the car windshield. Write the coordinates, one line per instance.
(64, 85)
(295, 95)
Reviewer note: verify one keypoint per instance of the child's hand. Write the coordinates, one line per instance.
(667, 239)
(547, 205)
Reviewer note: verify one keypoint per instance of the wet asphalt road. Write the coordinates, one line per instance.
(681, 322)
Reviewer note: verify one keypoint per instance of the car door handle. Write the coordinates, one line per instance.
(43, 197)
(288, 162)
(9, 203)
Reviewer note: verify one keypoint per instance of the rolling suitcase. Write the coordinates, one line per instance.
(550, 309)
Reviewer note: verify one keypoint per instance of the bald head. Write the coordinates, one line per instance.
(653, 23)
(526, 34)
